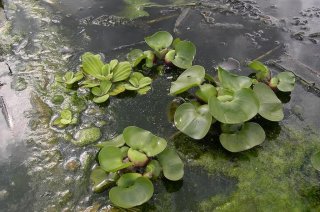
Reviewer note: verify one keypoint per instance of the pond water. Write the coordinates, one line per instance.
(42, 38)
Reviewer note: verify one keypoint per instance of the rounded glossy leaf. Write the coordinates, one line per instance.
(128, 179)
(153, 170)
(160, 40)
(270, 106)
(206, 91)
(185, 52)
(137, 194)
(232, 81)
(117, 142)
(121, 72)
(286, 81)
(110, 159)
(315, 161)
(240, 107)
(140, 139)
(192, 120)
(250, 135)
(137, 158)
(171, 164)
(262, 71)
(101, 180)
(191, 77)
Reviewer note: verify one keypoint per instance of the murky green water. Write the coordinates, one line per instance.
(42, 38)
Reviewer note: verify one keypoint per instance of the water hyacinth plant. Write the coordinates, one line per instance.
(232, 101)
(129, 162)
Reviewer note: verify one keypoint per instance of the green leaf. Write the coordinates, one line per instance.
(159, 41)
(135, 9)
(233, 81)
(153, 170)
(119, 88)
(286, 81)
(143, 140)
(262, 71)
(113, 64)
(206, 91)
(65, 121)
(136, 56)
(171, 164)
(191, 77)
(137, 194)
(128, 179)
(149, 58)
(101, 99)
(90, 83)
(138, 81)
(105, 86)
(193, 121)
(117, 142)
(250, 135)
(144, 90)
(110, 159)
(92, 64)
(70, 77)
(96, 91)
(315, 161)
(121, 72)
(101, 180)
(66, 114)
(270, 106)
(241, 107)
(185, 52)
(137, 158)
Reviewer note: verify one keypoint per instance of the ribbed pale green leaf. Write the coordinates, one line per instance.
(92, 64)
(121, 72)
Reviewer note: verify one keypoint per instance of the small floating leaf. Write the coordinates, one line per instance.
(193, 121)
(250, 135)
(137, 194)
(136, 56)
(191, 77)
(233, 81)
(70, 77)
(101, 99)
(117, 142)
(137, 158)
(159, 41)
(286, 81)
(241, 107)
(92, 64)
(315, 161)
(153, 169)
(270, 106)
(262, 71)
(172, 164)
(185, 52)
(128, 179)
(110, 159)
(140, 139)
(101, 179)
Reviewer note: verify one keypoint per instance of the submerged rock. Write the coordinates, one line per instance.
(19, 84)
(87, 136)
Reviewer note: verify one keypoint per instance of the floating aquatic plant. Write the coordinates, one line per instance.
(233, 101)
(129, 162)
(64, 119)
(178, 52)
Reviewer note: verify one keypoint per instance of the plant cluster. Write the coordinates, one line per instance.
(64, 119)
(129, 162)
(232, 101)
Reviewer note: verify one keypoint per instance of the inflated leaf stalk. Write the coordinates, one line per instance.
(191, 77)
(271, 107)
(245, 137)
(194, 121)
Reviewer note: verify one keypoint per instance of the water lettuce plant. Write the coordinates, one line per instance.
(129, 162)
(64, 119)
(165, 49)
(233, 101)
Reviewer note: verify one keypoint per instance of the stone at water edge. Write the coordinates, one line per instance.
(86, 136)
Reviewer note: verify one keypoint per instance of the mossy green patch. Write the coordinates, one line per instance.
(277, 176)
(87, 136)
